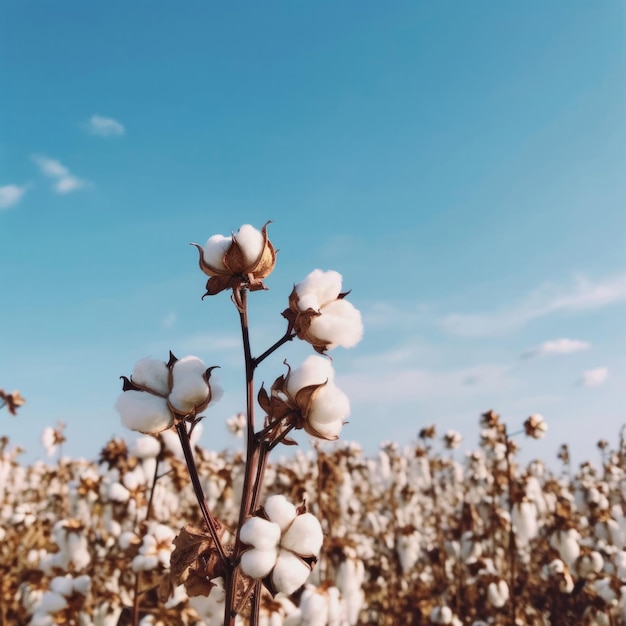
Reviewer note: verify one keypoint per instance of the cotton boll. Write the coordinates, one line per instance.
(326, 286)
(40, 619)
(152, 374)
(290, 572)
(52, 602)
(304, 536)
(497, 594)
(280, 510)
(214, 250)
(147, 447)
(330, 405)
(62, 585)
(189, 386)
(314, 370)
(82, 584)
(144, 412)
(251, 242)
(314, 607)
(339, 324)
(328, 431)
(441, 615)
(260, 533)
(258, 563)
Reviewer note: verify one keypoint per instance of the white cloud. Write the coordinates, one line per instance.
(584, 295)
(10, 195)
(594, 378)
(169, 320)
(105, 126)
(65, 181)
(557, 346)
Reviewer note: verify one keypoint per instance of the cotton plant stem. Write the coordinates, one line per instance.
(288, 336)
(209, 520)
(512, 545)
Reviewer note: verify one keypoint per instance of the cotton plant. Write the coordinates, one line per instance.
(275, 545)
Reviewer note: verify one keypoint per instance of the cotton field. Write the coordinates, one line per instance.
(438, 532)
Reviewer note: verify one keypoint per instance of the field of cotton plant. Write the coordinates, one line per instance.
(160, 531)
(433, 533)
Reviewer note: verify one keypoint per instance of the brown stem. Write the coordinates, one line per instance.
(288, 336)
(212, 524)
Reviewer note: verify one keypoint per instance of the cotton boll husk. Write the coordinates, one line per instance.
(304, 536)
(52, 602)
(330, 405)
(289, 573)
(314, 370)
(260, 533)
(339, 324)
(251, 242)
(144, 412)
(258, 563)
(189, 386)
(325, 286)
(280, 510)
(214, 250)
(152, 374)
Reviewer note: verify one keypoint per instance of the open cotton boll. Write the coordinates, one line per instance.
(251, 242)
(314, 607)
(62, 585)
(309, 301)
(147, 447)
(328, 431)
(258, 563)
(52, 602)
(290, 572)
(330, 405)
(260, 533)
(339, 324)
(144, 412)
(326, 286)
(314, 370)
(280, 510)
(189, 386)
(152, 374)
(304, 536)
(214, 250)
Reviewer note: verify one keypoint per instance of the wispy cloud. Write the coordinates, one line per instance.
(10, 195)
(594, 378)
(169, 320)
(557, 346)
(584, 295)
(64, 180)
(105, 126)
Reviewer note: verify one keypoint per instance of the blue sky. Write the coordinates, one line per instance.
(461, 164)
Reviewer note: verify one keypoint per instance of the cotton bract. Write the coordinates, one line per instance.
(283, 547)
(158, 393)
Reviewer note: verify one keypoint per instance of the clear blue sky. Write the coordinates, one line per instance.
(461, 164)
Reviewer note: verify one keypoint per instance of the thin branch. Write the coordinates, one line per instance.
(288, 336)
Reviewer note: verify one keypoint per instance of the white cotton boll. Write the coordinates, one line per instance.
(251, 242)
(214, 250)
(118, 493)
(566, 543)
(326, 286)
(441, 615)
(134, 479)
(304, 536)
(314, 608)
(328, 431)
(314, 370)
(309, 301)
(280, 510)
(289, 573)
(189, 387)
(78, 549)
(147, 447)
(82, 584)
(144, 562)
(330, 405)
(143, 411)
(525, 521)
(620, 564)
(178, 597)
(258, 563)
(62, 585)
(52, 602)
(40, 619)
(604, 589)
(128, 539)
(152, 374)
(260, 533)
(497, 594)
(340, 324)
(48, 440)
